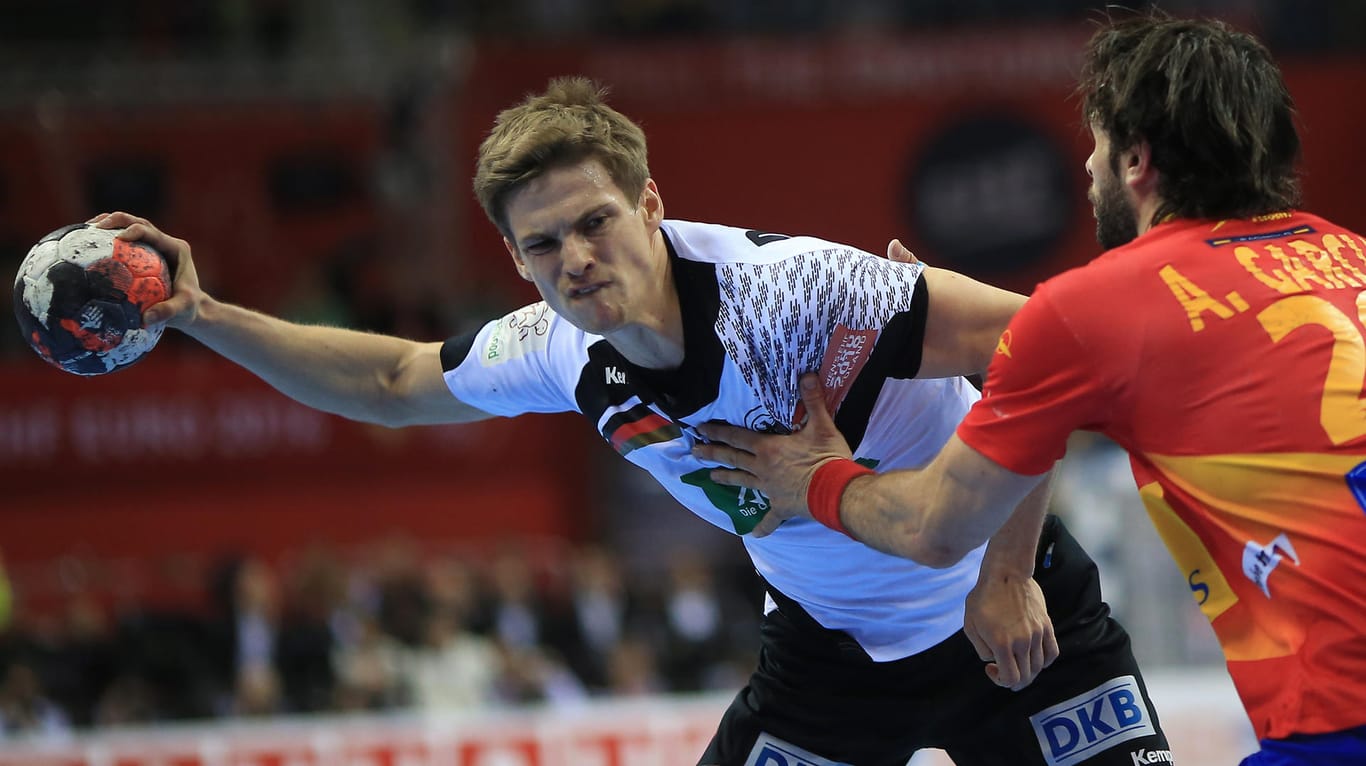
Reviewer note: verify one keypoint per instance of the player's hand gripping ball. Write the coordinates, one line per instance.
(80, 294)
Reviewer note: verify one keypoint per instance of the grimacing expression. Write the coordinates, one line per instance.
(586, 247)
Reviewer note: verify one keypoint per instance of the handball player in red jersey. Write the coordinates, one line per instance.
(1219, 340)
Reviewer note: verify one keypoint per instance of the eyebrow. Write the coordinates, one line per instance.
(538, 235)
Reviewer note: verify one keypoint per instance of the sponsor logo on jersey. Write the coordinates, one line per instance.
(629, 430)
(744, 506)
(615, 377)
(771, 751)
(1003, 345)
(845, 356)
(1144, 756)
(1072, 731)
(1259, 561)
(522, 332)
(759, 419)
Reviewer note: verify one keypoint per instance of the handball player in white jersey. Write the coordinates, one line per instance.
(650, 327)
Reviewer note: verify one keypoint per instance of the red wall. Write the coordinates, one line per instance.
(817, 138)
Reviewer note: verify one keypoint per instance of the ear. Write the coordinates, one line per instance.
(1136, 168)
(652, 204)
(517, 259)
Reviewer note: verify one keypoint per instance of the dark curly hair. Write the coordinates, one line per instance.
(1211, 103)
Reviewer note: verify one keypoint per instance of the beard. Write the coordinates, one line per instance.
(1116, 219)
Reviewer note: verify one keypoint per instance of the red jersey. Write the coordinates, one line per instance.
(1229, 359)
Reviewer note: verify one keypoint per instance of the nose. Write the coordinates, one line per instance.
(577, 255)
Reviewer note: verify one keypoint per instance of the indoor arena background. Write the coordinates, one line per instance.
(414, 584)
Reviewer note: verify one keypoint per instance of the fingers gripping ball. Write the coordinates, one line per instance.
(80, 294)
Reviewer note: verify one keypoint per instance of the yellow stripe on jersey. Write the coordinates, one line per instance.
(1207, 583)
(1297, 506)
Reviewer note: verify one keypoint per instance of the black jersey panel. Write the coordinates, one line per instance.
(455, 349)
(609, 379)
(896, 355)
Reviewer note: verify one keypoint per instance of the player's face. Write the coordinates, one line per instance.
(595, 256)
(1116, 217)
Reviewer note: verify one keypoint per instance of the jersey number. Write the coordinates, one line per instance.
(1341, 411)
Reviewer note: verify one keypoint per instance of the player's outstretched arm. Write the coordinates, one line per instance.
(362, 376)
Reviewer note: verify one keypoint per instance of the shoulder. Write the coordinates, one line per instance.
(720, 244)
(524, 333)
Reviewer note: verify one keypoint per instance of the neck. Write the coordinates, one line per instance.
(1147, 208)
(656, 341)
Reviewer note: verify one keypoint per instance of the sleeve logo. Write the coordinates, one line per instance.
(1003, 344)
(522, 332)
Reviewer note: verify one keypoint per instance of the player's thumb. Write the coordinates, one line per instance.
(899, 253)
(164, 311)
(813, 396)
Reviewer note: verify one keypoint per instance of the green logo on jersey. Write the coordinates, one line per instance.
(743, 505)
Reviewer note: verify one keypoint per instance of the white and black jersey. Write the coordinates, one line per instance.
(759, 310)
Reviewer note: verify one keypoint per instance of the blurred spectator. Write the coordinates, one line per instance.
(533, 675)
(169, 656)
(695, 621)
(367, 669)
(305, 641)
(517, 609)
(82, 662)
(25, 711)
(126, 701)
(453, 669)
(247, 632)
(632, 669)
(594, 616)
(257, 692)
(398, 591)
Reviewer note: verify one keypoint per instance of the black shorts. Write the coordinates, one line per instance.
(817, 698)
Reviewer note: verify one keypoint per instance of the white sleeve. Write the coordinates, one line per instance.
(524, 362)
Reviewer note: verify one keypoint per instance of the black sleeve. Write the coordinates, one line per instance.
(455, 349)
(896, 355)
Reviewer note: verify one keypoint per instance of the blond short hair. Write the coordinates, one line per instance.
(568, 123)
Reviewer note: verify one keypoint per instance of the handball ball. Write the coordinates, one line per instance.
(80, 294)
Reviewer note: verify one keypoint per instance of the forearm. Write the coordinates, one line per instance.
(938, 515)
(898, 513)
(872, 513)
(354, 374)
(1011, 551)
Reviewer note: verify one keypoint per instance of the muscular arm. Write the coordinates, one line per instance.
(960, 500)
(362, 376)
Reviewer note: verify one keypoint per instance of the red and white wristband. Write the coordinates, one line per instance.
(827, 487)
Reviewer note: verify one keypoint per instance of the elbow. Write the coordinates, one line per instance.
(933, 551)
(939, 556)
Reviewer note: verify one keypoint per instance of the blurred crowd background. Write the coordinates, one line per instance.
(242, 559)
